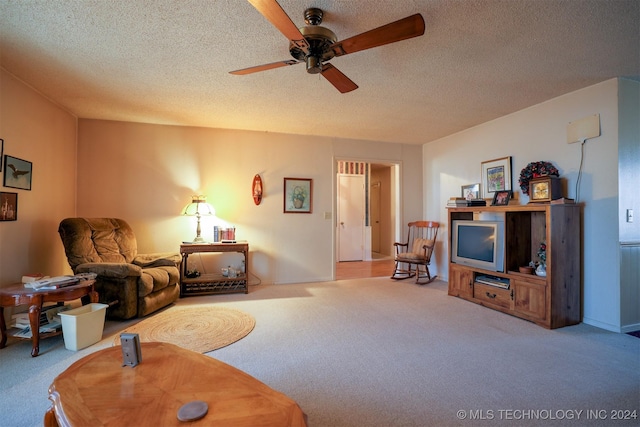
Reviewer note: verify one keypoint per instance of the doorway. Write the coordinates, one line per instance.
(380, 195)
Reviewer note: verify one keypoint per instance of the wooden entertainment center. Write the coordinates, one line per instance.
(553, 301)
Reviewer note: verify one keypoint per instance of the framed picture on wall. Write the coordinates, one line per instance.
(496, 176)
(1, 152)
(298, 195)
(17, 173)
(8, 206)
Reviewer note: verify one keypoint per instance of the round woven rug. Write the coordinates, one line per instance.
(200, 328)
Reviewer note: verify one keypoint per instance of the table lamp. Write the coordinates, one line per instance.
(198, 207)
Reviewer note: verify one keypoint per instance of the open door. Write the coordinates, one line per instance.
(350, 224)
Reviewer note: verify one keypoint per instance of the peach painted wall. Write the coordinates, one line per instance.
(146, 173)
(39, 131)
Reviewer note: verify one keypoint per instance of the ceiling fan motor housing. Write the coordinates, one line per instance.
(319, 39)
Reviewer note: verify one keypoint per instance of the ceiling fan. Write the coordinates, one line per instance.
(315, 45)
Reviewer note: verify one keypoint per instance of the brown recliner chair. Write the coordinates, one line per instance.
(133, 284)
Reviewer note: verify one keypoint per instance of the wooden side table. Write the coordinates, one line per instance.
(213, 283)
(98, 391)
(15, 295)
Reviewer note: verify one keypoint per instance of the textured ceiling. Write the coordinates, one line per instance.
(167, 61)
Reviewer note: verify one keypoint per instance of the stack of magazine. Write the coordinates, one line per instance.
(461, 202)
(49, 283)
(49, 321)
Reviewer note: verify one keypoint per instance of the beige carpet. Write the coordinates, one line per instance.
(198, 328)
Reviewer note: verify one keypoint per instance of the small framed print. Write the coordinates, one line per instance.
(471, 191)
(298, 195)
(501, 198)
(17, 173)
(496, 176)
(8, 206)
(544, 189)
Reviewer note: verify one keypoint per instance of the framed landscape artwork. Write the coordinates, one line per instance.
(298, 195)
(8, 206)
(496, 176)
(17, 173)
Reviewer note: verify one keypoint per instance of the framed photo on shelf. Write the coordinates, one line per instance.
(298, 195)
(17, 173)
(501, 198)
(496, 176)
(8, 206)
(471, 191)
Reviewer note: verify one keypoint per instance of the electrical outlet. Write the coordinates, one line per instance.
(629, 215)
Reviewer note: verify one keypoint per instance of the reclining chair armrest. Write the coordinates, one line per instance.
(110, 269)
(166, 259)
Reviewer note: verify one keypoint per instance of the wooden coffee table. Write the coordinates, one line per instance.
(15, 295)
(98, 390)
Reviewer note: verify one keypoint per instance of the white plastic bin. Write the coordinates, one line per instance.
(83, 326)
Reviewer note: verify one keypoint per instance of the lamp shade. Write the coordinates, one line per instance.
(198, 207)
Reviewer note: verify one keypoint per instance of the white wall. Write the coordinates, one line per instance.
(539, 133)
(146, 174)
(36, 130)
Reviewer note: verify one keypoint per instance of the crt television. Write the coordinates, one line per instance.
(478, 244)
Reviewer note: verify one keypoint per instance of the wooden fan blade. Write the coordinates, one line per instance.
(406, 28)
(264, 67)
(338, 79)
(274, 13)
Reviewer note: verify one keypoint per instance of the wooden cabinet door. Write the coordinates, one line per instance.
(460, 282)
(530, 299)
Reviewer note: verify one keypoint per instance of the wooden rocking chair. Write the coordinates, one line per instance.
(416, 252)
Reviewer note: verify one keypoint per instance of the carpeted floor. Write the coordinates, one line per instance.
(378, 352)
(201, 328)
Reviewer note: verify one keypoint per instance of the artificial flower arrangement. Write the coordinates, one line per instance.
(535, 170)
(542, 253)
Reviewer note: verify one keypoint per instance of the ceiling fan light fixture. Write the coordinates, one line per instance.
(314, 65)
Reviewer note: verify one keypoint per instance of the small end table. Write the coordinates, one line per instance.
(206, 284)
(15, 295)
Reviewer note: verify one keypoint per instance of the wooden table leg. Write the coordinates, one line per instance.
(3, 329)
(34, 320)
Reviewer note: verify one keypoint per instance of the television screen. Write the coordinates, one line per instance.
(476, 242)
